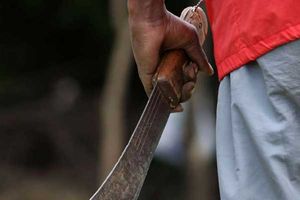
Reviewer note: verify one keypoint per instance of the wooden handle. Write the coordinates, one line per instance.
(170, 75)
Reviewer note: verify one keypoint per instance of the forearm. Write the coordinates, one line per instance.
(147, 10)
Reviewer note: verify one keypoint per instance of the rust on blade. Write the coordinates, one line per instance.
(126, 179)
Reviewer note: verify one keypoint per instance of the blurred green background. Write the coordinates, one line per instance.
(55, 59)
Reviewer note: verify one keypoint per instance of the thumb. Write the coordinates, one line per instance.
(195, 52)
(183, 35)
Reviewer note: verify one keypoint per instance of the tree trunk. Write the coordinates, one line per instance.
(112, 101)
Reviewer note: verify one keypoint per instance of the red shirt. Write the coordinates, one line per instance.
(243, 30)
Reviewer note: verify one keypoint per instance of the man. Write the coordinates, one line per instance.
(257, 53)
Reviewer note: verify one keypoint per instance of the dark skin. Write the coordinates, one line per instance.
(154, 30)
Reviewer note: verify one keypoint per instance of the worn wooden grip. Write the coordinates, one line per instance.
(170, 75)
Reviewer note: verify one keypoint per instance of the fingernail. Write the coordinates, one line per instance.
(191, 74)
(190, 86)
(179, 108)
(195, 68)
(211, 70)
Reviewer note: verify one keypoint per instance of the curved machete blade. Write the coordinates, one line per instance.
(127, 177)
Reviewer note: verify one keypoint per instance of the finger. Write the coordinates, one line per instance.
(190, 72)
(197, 55)
(147, 61)
(187, 91)
(147, 82)
(179, 108)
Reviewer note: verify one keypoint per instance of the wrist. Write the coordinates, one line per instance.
(146, 10)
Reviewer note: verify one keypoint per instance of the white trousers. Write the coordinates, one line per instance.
(258, 128)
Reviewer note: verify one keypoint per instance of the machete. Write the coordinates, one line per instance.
(127, 177)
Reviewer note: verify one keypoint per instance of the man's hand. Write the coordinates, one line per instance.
(155, 30)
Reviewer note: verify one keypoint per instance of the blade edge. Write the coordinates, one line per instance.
(127, 177)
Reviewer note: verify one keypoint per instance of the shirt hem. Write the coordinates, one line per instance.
(260, 48)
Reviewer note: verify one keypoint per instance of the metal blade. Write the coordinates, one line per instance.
(127, 177)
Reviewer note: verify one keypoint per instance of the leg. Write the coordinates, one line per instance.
(258, 128)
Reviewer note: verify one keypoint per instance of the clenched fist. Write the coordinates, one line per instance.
(155, 30)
